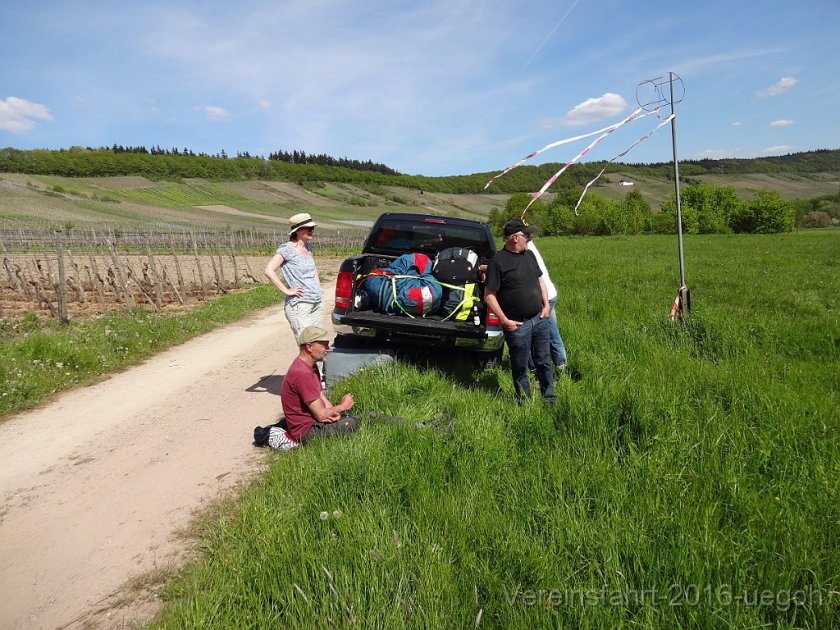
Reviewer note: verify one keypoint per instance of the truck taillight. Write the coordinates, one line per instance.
(492, 320)
(343, 289)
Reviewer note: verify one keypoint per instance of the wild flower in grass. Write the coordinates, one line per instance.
(325, 516)
(68, 373)
(59, 365)
(336, 513)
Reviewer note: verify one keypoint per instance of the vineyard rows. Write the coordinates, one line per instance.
(79, 273)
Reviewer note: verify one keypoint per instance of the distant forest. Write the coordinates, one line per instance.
(176, 164)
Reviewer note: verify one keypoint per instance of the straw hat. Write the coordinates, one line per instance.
(301, 220)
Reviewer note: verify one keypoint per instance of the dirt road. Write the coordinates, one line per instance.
(95, 485)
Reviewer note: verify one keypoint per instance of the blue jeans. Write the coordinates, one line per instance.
(557, 348)
(531, 337)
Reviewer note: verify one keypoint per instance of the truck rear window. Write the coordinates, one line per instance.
(397, 237)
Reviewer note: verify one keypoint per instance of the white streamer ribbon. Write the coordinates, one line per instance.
(554, 177)
(607, 129)
(622, 154)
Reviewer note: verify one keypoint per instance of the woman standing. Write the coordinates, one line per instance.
(300, 284)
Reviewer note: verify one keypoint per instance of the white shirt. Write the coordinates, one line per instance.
(550, 289)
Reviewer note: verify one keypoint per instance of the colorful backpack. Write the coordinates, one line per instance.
(405, 286)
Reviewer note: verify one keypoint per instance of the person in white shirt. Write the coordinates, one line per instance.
(557, 347)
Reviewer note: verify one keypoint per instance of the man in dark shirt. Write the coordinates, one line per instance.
(515, 291)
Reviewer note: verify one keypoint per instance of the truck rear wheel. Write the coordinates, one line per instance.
(486, 360)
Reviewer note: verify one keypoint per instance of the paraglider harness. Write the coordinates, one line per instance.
(423, 291)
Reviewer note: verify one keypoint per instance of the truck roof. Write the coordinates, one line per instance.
(396, 233)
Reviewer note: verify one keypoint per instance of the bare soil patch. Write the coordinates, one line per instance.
(96, 485)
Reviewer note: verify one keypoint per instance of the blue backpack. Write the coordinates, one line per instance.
(405, 286)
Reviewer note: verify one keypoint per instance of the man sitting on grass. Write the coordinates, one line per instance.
(309, 414)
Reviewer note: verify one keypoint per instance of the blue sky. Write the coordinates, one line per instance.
(439, 87)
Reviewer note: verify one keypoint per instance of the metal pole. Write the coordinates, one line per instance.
(685, 296)
(651, 102)
(62, 281)
(677, 181)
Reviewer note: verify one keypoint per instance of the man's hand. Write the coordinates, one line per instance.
(545, 311)
(347, 402)
(511, 324)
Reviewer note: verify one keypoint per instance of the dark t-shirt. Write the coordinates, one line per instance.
(516, 280)
(300, 386)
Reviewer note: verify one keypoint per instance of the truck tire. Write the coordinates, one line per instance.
(487, 360)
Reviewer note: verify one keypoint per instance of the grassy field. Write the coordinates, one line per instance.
(686, 478)
(39, 201)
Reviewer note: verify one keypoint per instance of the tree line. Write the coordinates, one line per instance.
(705, 209)
(173, 164)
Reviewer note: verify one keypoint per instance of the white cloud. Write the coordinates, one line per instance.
(779, 87)
(737, 123)
(783, 122)
(779, 148)
(264, 103)
(19, 115)
(594, 109)
(215, 113)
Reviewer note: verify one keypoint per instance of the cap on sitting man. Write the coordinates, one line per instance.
(311, 334)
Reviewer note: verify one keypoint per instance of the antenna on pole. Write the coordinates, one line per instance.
(650, 95)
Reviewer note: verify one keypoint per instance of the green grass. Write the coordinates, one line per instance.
(39, 357)
(687, 476)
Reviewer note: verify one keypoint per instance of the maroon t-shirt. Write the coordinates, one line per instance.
(301, 385)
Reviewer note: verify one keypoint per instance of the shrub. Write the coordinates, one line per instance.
(663, 223)
(766, 213)
(817, 219)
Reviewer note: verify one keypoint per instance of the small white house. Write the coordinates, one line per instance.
(625, 182)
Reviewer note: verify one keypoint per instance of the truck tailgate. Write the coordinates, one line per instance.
(419, 326)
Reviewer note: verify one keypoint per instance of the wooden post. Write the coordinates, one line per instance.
(198, 266)
(178, 268)
(80, 290)
(221, 277)
(13, 279)
(129, 298)
(166, 278)
(62, 281)
(155, 276)
(94, 284)
(233, 259)
(96, 279)
(216, 272)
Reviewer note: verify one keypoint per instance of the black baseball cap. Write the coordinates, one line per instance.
(513, 226)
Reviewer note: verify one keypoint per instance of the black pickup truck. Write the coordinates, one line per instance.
(391, 236)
